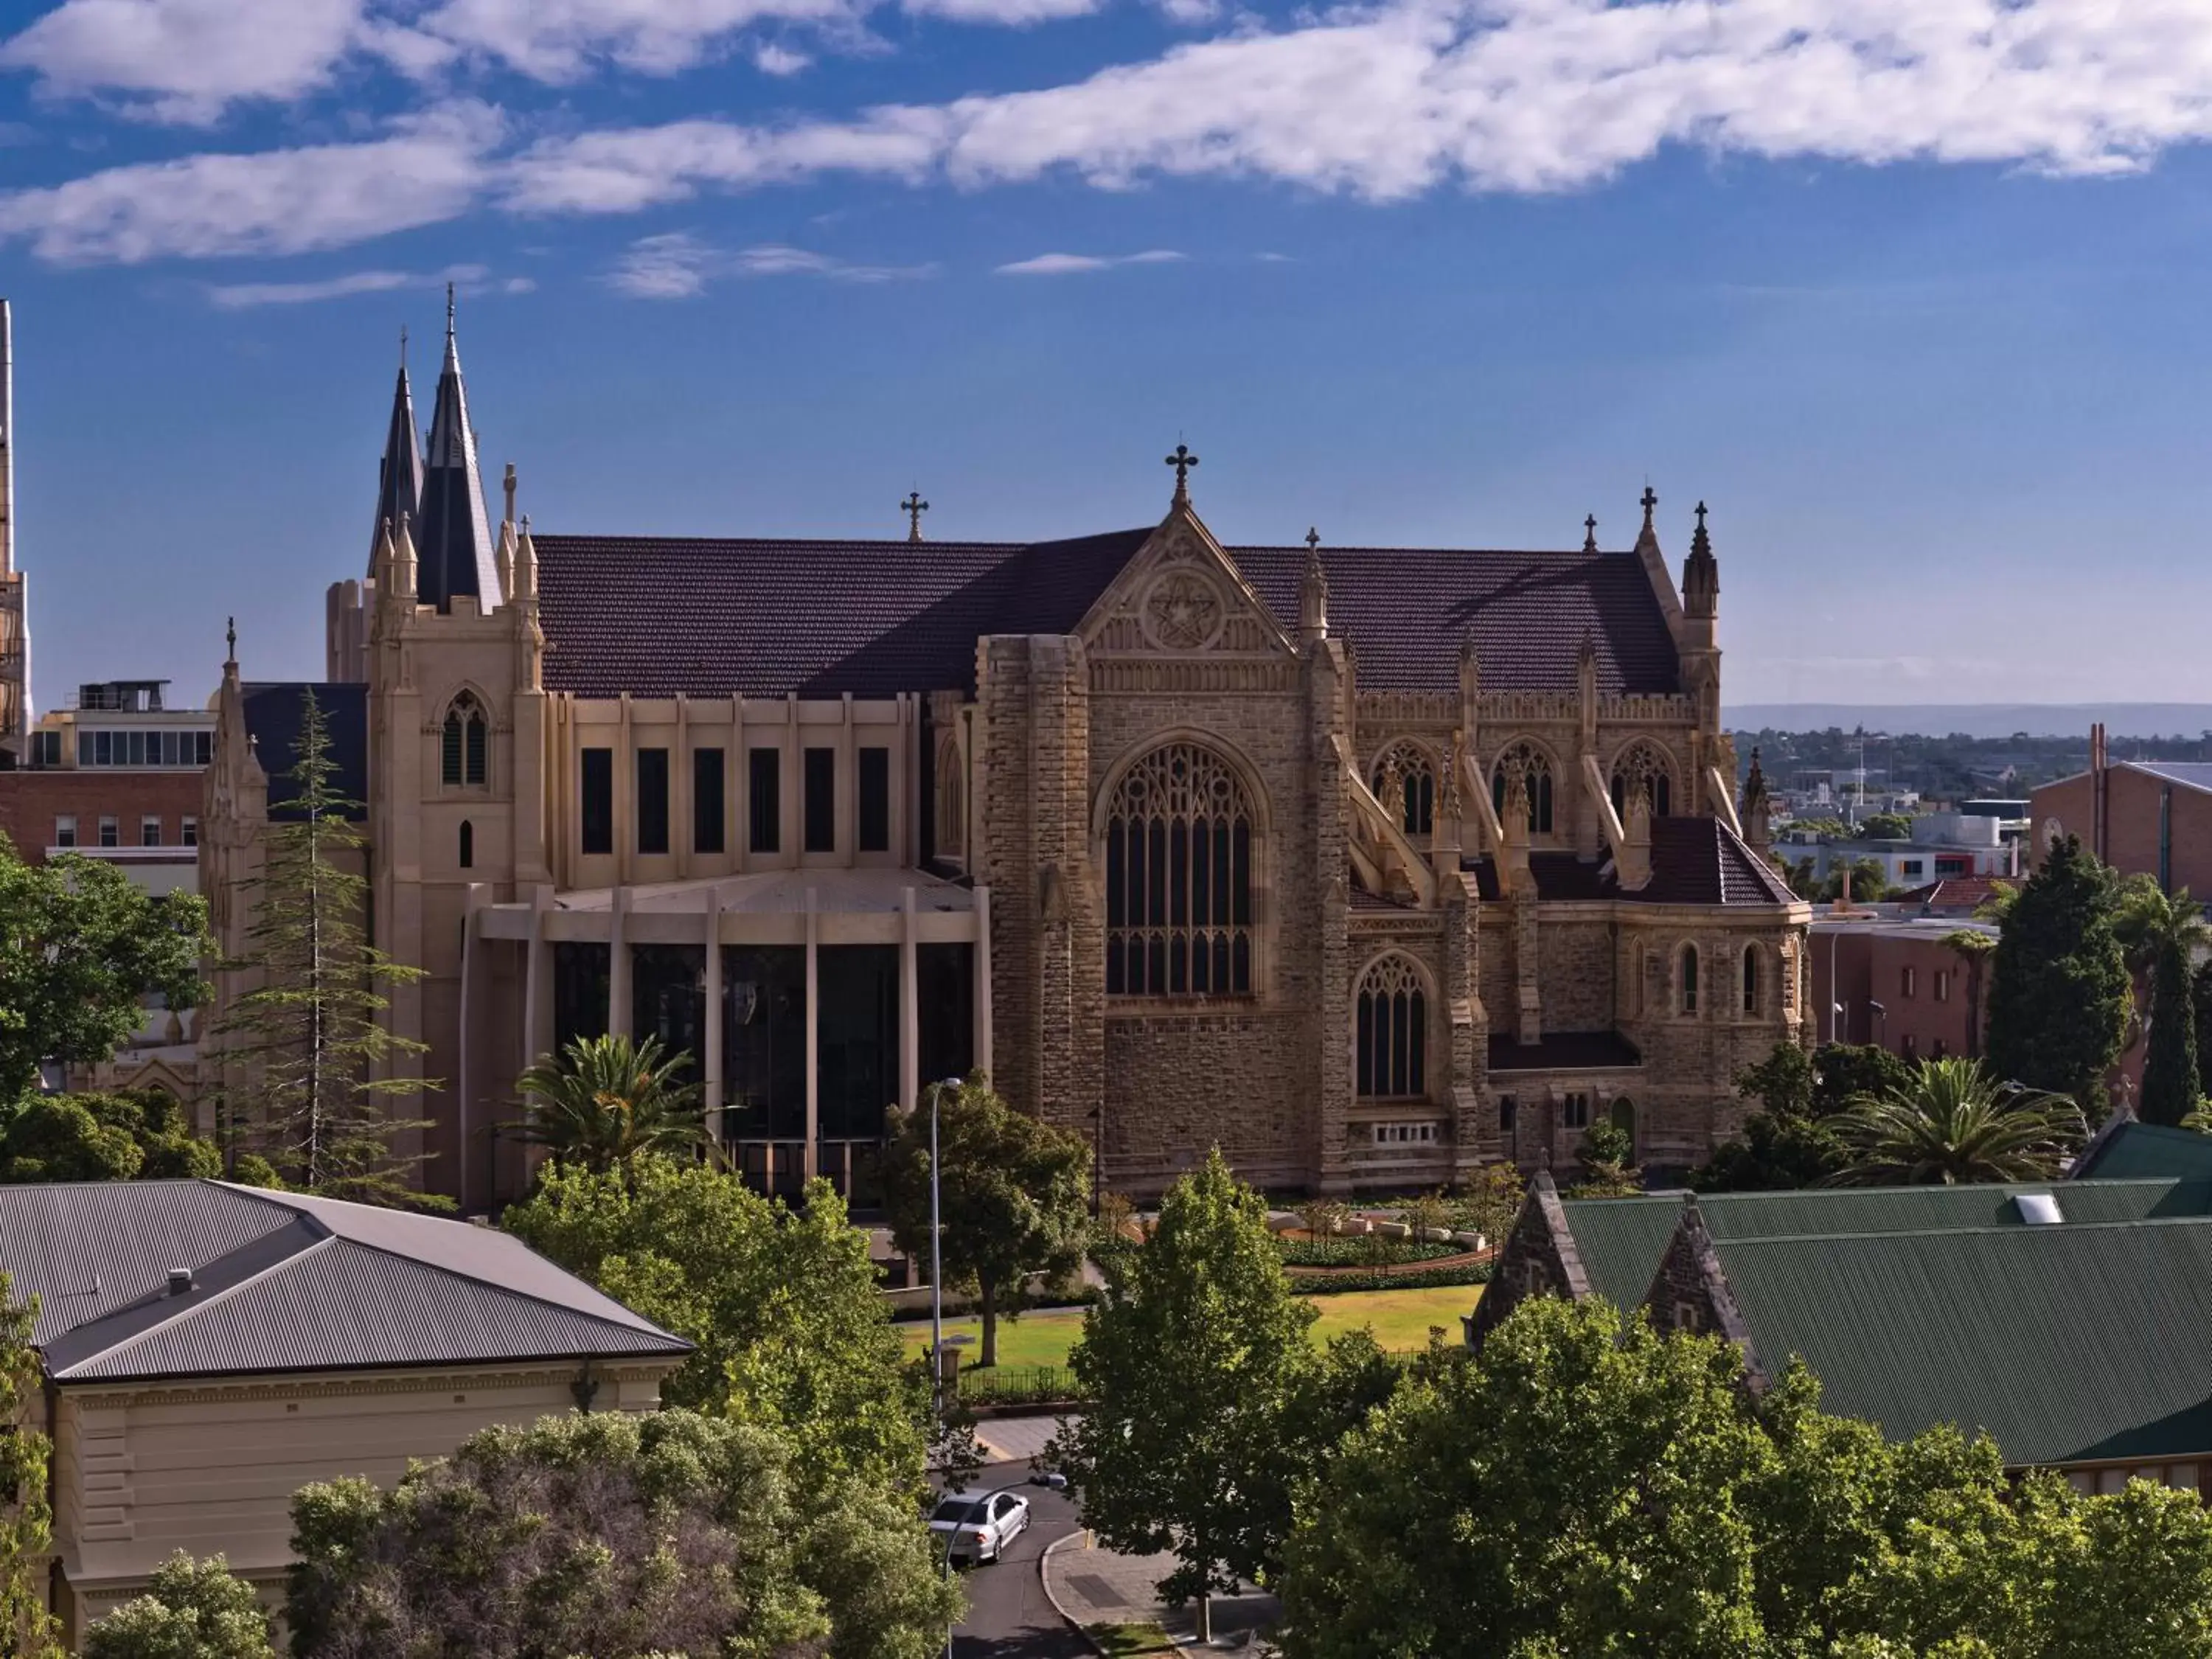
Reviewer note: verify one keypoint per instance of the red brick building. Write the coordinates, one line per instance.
(90, 811)
(2142, 817)
(1896, 984)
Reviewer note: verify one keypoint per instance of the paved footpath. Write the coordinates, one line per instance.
(1097, 1587)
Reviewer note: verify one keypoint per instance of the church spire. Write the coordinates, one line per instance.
(452, 536)
(1701, 573)
(399, 474)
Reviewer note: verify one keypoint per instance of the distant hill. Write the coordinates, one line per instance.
(1985, 720)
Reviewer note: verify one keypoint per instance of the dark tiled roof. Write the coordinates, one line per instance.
(1406, 611)
(285, 1283)
(654, 617)
(1693, 861)
(1564, 1051)
(273, 709)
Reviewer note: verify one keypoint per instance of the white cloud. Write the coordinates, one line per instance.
(284, 201)
(1069, 265)
(470, 279)
(677, 265)
(186, 59)
(1015, 12)
(770, 58)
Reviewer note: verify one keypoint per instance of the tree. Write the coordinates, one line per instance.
(1606, 1154)
(1953, 1125)
(193, 1610)
(2058, 991)
(1013, 1197)
(1489, 1201)
(1784, 1143)
(1974, 949)
(1870, 882)
(1211, 1406)
(26, 1518)
(312, 1063)
(784, 1306)
(82, 946)
(2160, 934)
(614, 1536)
(101, 1138)
(607, 1099)
(1885, 826)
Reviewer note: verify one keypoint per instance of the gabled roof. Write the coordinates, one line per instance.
(273, 710)
(2125, 1148)
(283, 1282)
(655, 616)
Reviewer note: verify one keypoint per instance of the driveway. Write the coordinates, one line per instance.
(1008, 1617)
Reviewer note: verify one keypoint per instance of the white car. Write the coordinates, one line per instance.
(978, 1529)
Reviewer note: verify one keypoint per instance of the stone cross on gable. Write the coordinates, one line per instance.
(1312, 539)
(1589, 534)
(914, 507)
(1650, 501)
(1183, 460)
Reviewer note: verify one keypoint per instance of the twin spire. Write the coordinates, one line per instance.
(439, 492)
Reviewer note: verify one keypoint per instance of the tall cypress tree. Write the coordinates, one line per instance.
(313, 1091)
(2058, 992)
(2160, 933)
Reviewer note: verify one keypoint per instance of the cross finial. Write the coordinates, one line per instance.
(1589, 534)
(402, 348)
(1312, 539)
(1701, 516)
(1650, 501)
(508, 485)
(230, 637)
(914, 507)
(1183, 460)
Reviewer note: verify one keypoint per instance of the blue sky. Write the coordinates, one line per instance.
(1910, 291)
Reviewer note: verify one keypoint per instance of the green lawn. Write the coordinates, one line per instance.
(1400, 1319)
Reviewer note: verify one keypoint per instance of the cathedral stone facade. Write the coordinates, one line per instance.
(1369, 866)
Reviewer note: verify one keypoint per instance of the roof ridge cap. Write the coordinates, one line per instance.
(2118, 1224)
(214, 1299)
(516, 1291)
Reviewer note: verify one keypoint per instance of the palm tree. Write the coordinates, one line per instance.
(606, 1099)
(1951, 1125)
(2161, 934)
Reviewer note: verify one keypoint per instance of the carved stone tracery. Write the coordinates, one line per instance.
(1183, 611)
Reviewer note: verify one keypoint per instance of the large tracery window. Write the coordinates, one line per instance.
(1179, 877)
(1534, 768)
(464, 744)
(1393, 1015)
(1405, 783)
(1640, 767)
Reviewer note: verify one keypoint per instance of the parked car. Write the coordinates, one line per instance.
(978, 1529)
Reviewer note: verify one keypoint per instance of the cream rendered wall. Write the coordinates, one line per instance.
(143, 1470)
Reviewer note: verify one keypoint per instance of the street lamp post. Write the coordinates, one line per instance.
(1882, 1015)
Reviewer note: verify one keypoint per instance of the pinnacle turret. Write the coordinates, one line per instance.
(1701, 573)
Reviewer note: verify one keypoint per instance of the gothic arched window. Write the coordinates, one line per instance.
(1532, 767)
(951, 801)
(464, 744)
(1179, 832)
(1751, 978)
(468, 845)
(1641, 766)
(1392, 1032)
(1689, 978)
(1404, 774)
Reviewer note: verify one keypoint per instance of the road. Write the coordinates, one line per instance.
(1008, 1617)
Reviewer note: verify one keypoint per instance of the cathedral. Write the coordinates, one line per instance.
(1370, 866)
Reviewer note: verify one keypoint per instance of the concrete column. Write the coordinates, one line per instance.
(813, 1037)
(618, 963)
(909, 1009)
(536, 983)
(712, 1059)
(983, 1060)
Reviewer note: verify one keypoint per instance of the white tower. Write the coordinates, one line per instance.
(15, 616)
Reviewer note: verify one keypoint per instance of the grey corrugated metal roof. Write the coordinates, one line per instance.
(283, 1282)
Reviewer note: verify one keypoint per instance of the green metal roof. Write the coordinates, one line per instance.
(2067, 1343)
(1621, 1239)
(2136, 1150)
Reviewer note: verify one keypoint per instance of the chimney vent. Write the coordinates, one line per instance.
(181, 1281)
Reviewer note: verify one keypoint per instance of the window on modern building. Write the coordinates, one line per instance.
(189, 833)
(1509, 1113)
(709, 812)
(818, 830)
(110, 833)
(1910, 866)
(45, 749)
(1951, 866)
(203, 748)
(1907, 1044)
(652, 800)
(596, 812)
(1179, 845)
(1689, 978)
(1908, 980)
(1938, 1048)
(465, 744)
(468, 845)
(1751, 978)
(1532, 767)
(1574, 1109)
(764, 796)
(1942, 985)
(874, 827)
(1404, 770)
(103, 748)
(1391, 1037)
(65, 830)
(150, 832)
(136, 749)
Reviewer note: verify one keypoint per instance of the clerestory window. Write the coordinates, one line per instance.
(1179, 848)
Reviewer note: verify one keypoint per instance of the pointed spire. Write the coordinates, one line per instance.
(399, 474)
(1756, 813)
(1701, 573)
(404, 585)
(454, 541)
(504, 559)
(525, 566)
(1313, 593)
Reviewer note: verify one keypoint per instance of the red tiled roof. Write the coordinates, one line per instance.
(654, 617)
(1956, 892)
